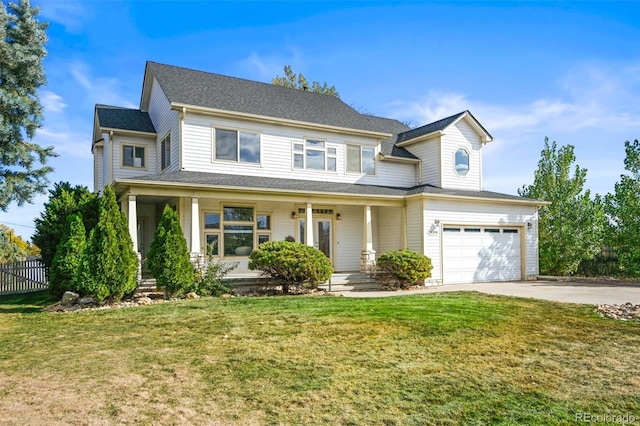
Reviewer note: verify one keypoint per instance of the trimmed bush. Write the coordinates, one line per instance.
(405, 267)
(168, 259)
(64, 274)
(109, 268)
(291, 265)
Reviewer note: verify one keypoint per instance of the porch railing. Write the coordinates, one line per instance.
(23, 277)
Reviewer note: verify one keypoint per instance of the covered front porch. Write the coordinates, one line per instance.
(227, 225)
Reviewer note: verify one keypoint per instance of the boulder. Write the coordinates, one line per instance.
(69, 298)
(192, 295)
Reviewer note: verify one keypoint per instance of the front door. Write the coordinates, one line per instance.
(322, 236)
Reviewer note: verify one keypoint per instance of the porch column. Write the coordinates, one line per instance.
(308, 228)
(197, 258)
(195, 226)
(368, 255)
(133, 221)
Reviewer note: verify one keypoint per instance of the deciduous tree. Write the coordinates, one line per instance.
(298, 81)
(623, 208)
(9, 250)
(571, 228)
(22, 163)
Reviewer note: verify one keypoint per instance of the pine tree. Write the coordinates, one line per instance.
(22, 39)
(298, 81)
(64, 274)
(109, 265)
(168, 258)
(9, 250)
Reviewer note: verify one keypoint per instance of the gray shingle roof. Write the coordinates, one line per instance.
(267, 183)
(428, 128)
(204, 89)
(113, 117)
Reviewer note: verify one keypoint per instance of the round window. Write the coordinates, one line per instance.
(462, 162)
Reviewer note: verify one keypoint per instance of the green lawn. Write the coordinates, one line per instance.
(447, 358)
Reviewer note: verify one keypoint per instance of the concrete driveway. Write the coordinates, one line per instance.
(590, 294)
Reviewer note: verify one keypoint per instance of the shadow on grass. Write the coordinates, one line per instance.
(25, 303)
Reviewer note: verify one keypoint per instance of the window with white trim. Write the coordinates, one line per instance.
(133, 156)
(165, 149)
(263, 227)
(235, 145)
(361, 159)
(314, 155)
(462, 162)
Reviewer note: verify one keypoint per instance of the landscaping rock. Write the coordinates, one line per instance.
(192, 295)
(69, 298)
(144, 300)
(84, 301)
(625, 312)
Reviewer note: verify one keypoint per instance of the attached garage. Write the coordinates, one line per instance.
(481, 253)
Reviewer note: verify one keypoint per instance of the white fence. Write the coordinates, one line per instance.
(23, 277)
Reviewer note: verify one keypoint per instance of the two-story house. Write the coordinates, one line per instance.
(245, 162)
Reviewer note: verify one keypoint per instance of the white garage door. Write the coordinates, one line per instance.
(480, 254)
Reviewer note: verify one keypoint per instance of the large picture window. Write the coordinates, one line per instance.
(234, 145)
(133, 156)
(314, 155)
(361, 159)
(235, 230)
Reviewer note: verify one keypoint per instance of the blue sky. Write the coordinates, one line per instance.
(526, 70)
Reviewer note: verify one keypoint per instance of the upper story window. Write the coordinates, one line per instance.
(234, 145)
(361, 159)
(314, 155)
(133, 156)
(462, 162)
(165, 148)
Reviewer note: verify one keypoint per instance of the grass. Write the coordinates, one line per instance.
(447, 358)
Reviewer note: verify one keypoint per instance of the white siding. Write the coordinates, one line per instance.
(415, 234)
(479, 213)
(388, 229)
(276, 153)
(149, 145)
(461, 135)
(429, 152)
(348, 235)
(98, 164)
(164, 120)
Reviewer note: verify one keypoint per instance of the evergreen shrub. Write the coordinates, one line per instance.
(406, 268)
(291, 265)
(168, 259)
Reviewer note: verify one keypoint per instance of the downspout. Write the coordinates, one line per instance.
(181, 116)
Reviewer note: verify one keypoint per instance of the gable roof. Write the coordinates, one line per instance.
(112, 117)
(183, 86)
(440, 126)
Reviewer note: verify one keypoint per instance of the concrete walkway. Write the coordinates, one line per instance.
(590, 294)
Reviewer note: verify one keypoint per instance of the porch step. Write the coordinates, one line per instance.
(352, 281)
(146, 284)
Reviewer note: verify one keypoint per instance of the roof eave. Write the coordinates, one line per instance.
(231, 189)
(399, 159)
(524, 201)
(130, 132)
(300, 124)
(419, 138)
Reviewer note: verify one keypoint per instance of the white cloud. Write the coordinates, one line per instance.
(72, 14)
(51, 102)
(67, 144)
(266, 67)
(99, 89)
